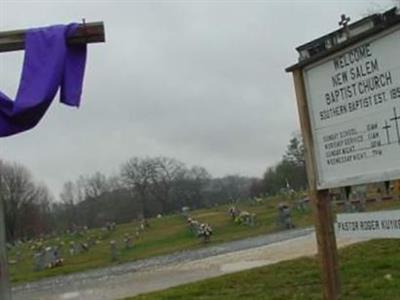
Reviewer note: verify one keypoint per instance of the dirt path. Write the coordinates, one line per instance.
(171, 270)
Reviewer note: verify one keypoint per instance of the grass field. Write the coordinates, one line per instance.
(165, 235)
(369, 271)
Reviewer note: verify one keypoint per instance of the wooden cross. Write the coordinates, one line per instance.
(14, 41)
(386, 127)
(86, 33)
(396, 119)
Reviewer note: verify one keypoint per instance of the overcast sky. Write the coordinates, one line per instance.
(200, 81)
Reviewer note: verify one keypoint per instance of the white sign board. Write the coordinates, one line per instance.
(383, 224)
(354, 104)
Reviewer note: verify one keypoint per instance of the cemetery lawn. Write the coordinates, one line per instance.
(369, 271)
(166, 235)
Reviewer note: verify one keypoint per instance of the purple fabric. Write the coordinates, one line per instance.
(49, 65)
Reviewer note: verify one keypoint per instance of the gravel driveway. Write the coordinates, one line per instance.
(156, 273)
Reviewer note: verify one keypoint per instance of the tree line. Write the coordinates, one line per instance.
(144, 187)
(289, 174)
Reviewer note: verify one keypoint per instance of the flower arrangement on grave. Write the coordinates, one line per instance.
(205, 232)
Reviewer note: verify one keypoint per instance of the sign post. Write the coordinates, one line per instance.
(13, 41)
(347, 86)
(323, 216)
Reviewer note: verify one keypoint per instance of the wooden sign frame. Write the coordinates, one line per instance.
(320, 199)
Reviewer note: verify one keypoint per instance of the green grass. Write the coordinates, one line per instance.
(166, 235)
(363, 268)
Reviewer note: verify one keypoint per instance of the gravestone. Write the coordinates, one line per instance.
(285, 216)
(234, 212)
(39, 260)
(49, 257)
(113, 247)
(302, 204)
(84, 247)
(185, 211)
(194, 226)
(127, 241)
(18, 256)
(77, 248)
(72, 248)
(91, 241)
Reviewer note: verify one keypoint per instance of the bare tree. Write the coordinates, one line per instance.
(190, 185)
(71, 194)
(19, 195)
(36, 216)
(137, 174)
(166, 173)
(93, 185)
(114, 183)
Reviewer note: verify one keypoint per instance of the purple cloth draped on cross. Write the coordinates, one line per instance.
(49, 65)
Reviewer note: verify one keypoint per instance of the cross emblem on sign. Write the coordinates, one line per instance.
(344, 20)
(343, 23)
(386, 127)
(396, 119)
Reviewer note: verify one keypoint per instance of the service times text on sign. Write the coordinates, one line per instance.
(354, 103)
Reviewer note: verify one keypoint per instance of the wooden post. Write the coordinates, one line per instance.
(322, 208)
(5, 290)
(14, 41)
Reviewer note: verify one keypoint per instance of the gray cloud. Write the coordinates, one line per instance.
(201, 81)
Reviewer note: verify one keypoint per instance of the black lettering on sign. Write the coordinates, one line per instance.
(333, 112)
(369, 225)
(360, 103)
(330, 137)
(339, 78)
(395, 93)
(363, 70)
(353, 56)
(374, 83)
(348, 226)
(390, 224)
(372, 126)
